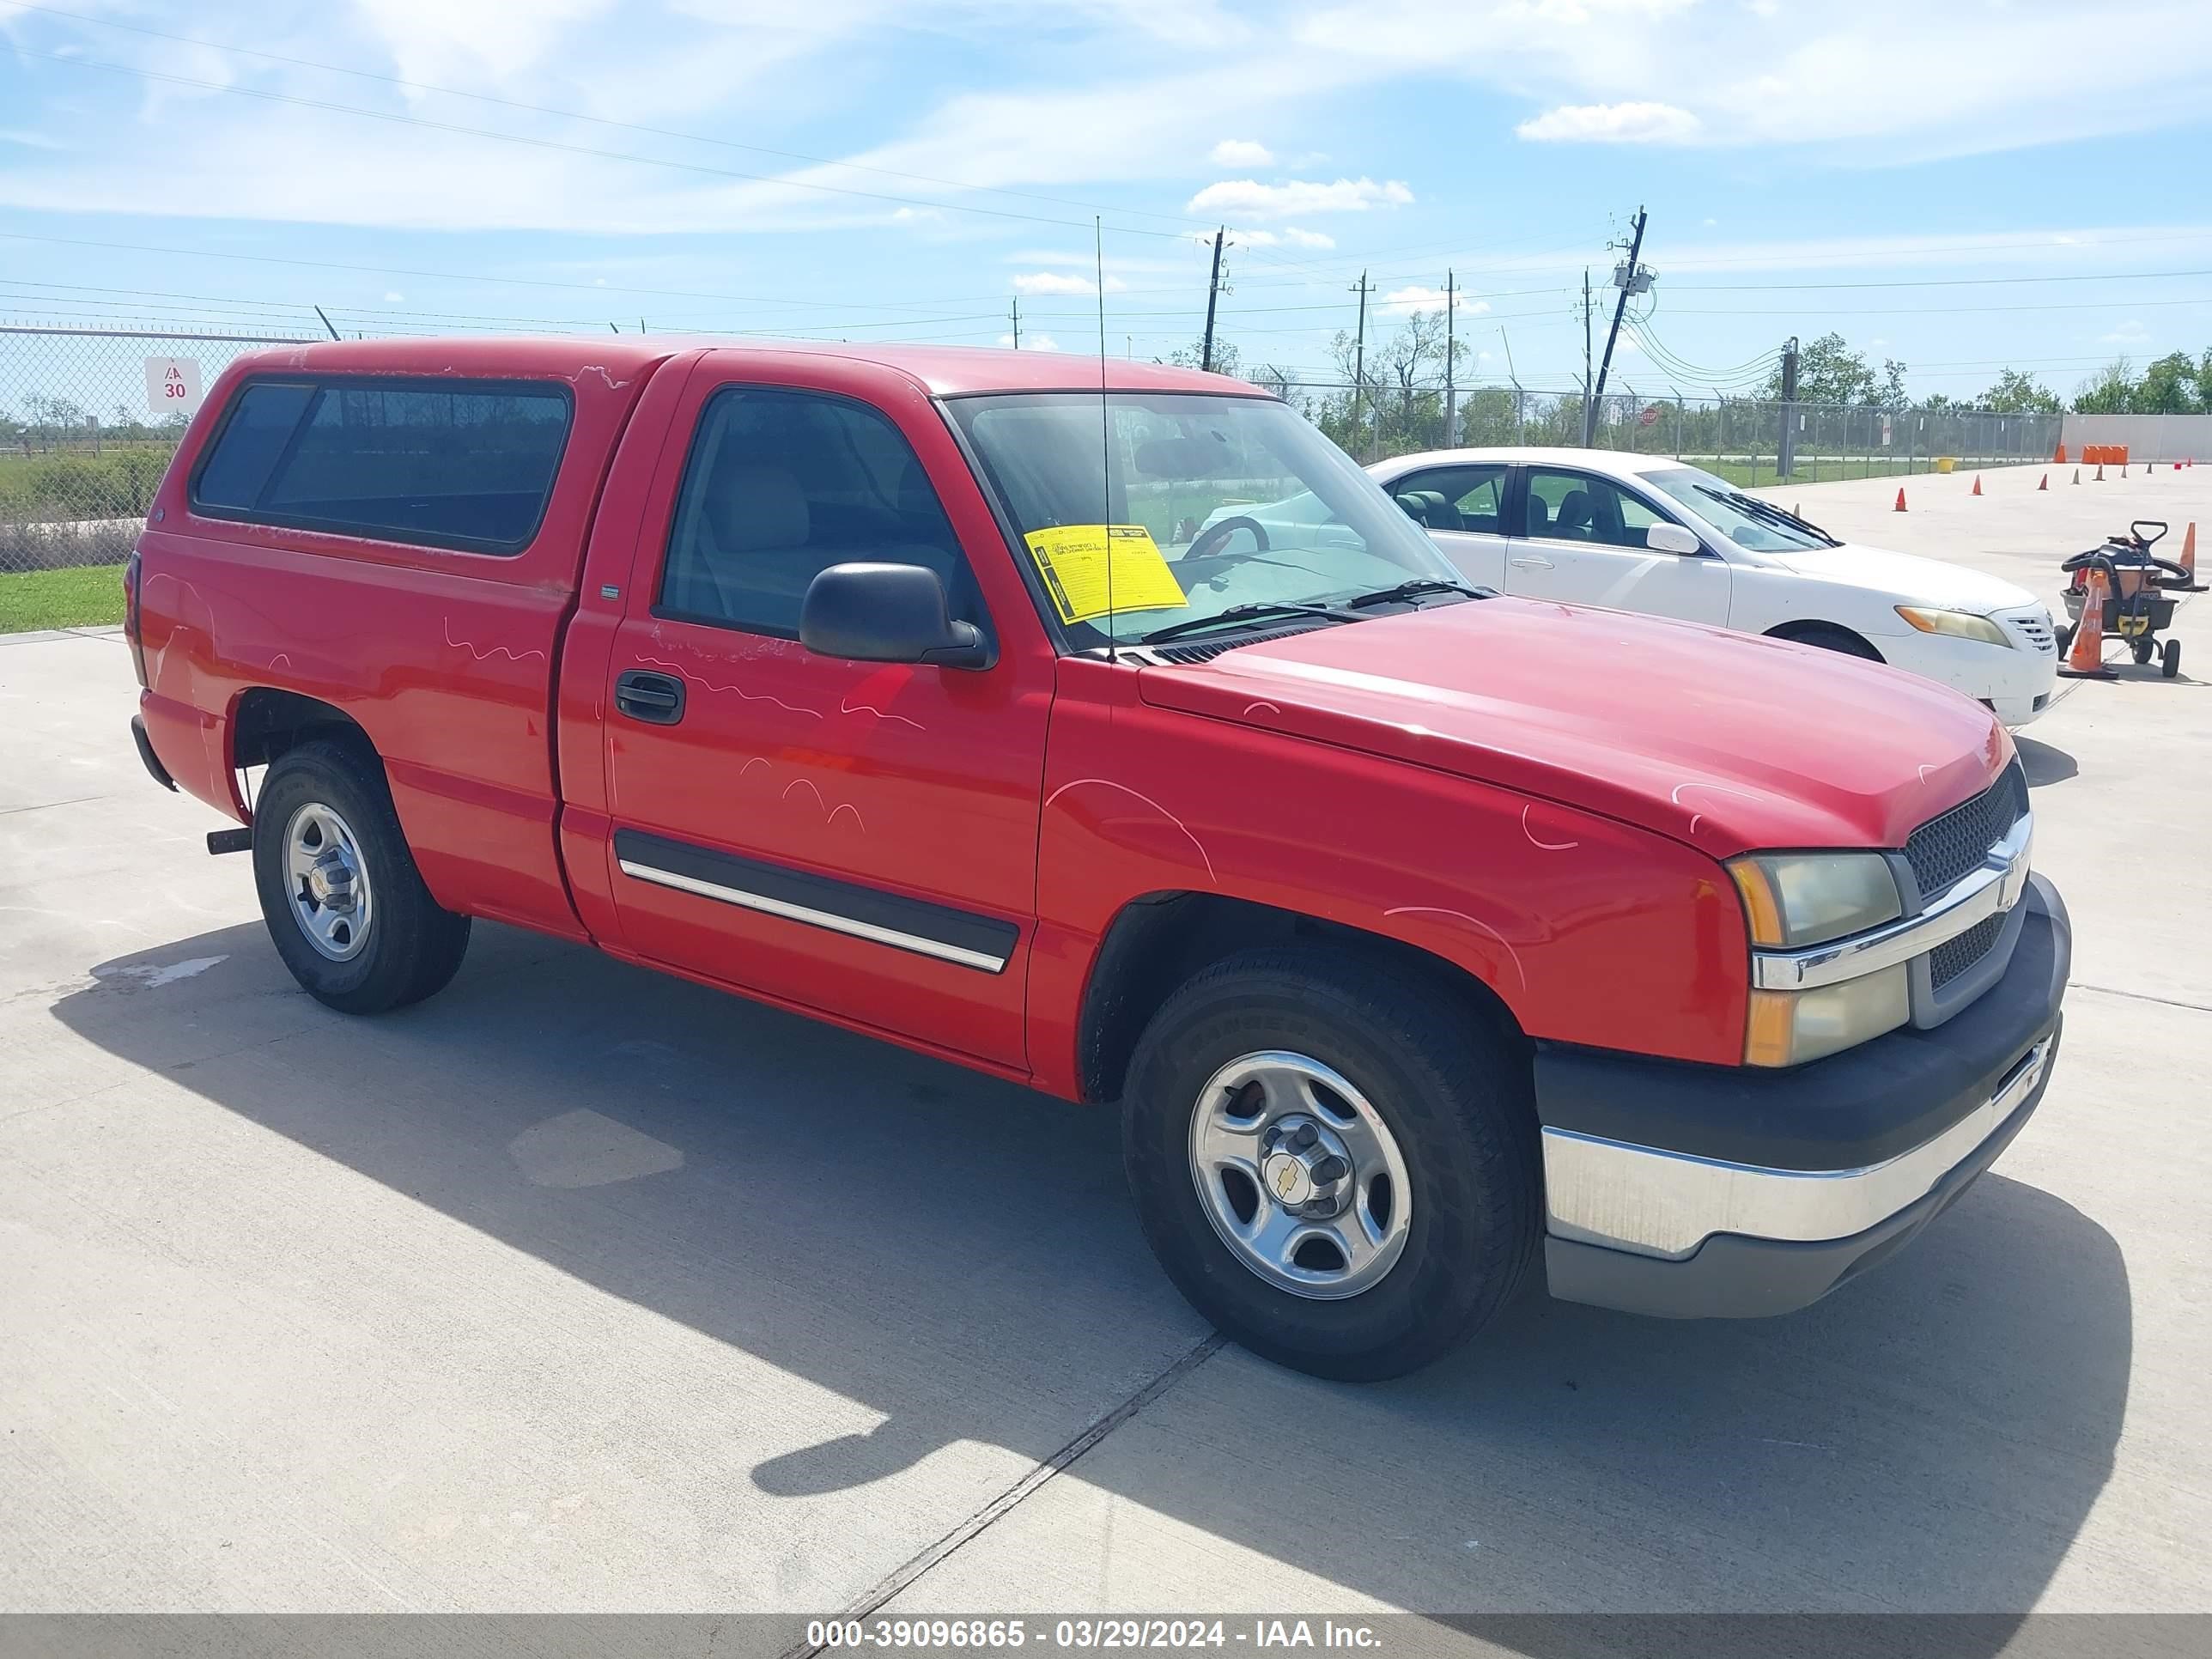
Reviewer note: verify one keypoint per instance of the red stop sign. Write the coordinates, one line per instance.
(1650, 415)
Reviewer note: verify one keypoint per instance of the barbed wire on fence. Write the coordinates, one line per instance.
(90, 417)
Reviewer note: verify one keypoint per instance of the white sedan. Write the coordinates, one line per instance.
(1643, 533)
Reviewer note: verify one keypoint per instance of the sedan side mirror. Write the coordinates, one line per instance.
(888, 613)
(1663, 538)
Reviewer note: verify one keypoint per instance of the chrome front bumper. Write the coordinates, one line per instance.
(1731, 1191)
(1653, 1202)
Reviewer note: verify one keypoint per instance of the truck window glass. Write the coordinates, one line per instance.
(780, 486)
(1272, 511)
(461, 467)
(239, 462)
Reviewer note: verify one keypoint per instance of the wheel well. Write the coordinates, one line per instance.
(1833, 636)
(1159, 941)
(267, 722)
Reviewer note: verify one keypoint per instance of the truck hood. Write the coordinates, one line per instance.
(1905, 577)
(1729, 742)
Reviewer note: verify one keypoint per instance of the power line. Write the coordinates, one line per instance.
(558, 145)
(1944, 281)
(578, 115)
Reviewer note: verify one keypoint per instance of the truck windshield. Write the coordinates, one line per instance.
(1167, 508)
(1757, 525)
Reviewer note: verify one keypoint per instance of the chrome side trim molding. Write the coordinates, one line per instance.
(836, 924)
(1654, 1202)
(1973, 898)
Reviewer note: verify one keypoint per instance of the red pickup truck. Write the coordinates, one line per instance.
(1417, 932)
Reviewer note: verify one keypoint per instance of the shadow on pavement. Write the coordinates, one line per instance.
(2043, 763)
(1930, 1437)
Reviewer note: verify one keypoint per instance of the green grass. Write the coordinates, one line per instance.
(87, 596)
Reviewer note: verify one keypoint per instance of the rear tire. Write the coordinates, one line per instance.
(2065, 638)
(1828, 636)
(2142, 649)
(344, 904)
(2169, 662)
(1439, 1099)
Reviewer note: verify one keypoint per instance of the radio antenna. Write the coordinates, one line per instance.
(1105, 432)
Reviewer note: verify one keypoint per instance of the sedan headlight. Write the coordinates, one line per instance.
(1959, 625)
(1796, 899)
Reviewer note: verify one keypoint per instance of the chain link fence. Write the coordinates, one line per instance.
(88, 419)
(1750, 441)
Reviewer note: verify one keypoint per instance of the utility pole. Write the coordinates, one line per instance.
(1359, 357)
(1018, 324)
(1451, 388)
(1213, 294)
(1633, 278)
(1520, 411)
(1586, 405)
(1785, 451)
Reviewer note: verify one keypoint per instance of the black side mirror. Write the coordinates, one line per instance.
(888, 613)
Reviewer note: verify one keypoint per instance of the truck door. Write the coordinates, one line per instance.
(857, 838)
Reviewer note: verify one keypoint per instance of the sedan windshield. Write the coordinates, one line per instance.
(1750, 523)
(1161, 511)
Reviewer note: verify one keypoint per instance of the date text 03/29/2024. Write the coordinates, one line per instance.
(1007, 1635)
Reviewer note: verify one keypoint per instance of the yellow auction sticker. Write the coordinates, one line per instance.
(1083, 564)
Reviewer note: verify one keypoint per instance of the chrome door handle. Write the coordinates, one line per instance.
(1531, 564)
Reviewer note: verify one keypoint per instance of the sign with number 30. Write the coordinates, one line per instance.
(173, 385)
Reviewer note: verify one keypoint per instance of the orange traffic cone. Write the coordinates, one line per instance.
(1978, 483)
(2059, 459)
(1900, 499)
(2045, 484)
(2187, 560)
(2085, 660)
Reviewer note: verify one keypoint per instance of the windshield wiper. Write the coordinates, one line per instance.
(1415, 589)
(1238, 613)
(1767, 511)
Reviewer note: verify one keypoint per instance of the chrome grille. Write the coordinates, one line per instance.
(1954, 957)
(1944, 849)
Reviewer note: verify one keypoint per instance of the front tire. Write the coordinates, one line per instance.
(1268, 1069)
(344, 904)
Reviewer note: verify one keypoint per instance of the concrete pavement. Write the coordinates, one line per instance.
(581, 1288)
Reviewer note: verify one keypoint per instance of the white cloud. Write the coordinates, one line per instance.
(1241, 153)
(27, 140)
(1248, 199)
(2129, 333)
(1253, 236)
(392, 296)
(1404, 302)
(1030, 283)
(1612, 124)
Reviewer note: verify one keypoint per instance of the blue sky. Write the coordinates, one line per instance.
(1960, 186)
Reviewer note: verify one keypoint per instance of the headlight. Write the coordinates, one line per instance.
(1797, 899)
(1788, 1028)
(1959, 625)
